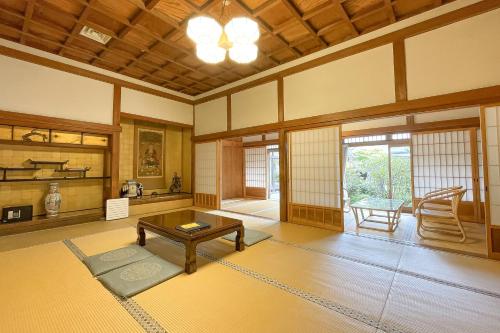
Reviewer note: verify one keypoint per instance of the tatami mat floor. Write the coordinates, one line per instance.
(303, 279)
(407, 230)
(264, 208)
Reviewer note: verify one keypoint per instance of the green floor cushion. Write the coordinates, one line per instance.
(107, 261)
(251, 236)
(134, 278)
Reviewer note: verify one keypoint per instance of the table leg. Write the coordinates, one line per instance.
(190, 266)
(240, 235)
(141, 236)
(356, 217)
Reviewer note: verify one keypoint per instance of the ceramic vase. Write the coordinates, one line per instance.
(53, 200)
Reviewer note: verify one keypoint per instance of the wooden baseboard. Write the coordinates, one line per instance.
(317, 216)
(205, 200)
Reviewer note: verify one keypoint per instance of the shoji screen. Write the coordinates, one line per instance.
(490, 123)
(442, 159)
(206, 175)
(315, 177)
(255, 172)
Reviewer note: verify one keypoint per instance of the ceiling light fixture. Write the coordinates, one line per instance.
(238, 38)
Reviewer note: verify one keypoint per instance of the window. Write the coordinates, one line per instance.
(400, 136)
(361, 139)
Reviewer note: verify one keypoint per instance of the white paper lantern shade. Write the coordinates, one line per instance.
(243, 53)
(210, 53)
(242, 30)
(204, 30)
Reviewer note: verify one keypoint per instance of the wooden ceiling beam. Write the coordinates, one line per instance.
(390, 10)
(126, 22)
(28, 14)
(343, 14)
(320, 9)
(298, 16)
(78, 25)
(369, 11)
(266, 27)
(330, 27)
(265, 7)
(156, 37)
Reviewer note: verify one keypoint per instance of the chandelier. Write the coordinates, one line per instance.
(237, 38)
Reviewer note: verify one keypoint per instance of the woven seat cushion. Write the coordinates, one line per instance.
(107, 261)
(251, 237)
(134, 278)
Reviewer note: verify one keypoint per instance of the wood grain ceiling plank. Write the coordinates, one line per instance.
(298, 16)
(390, 10)
(343, 13)
(265, 7)
(28, 14)
(266, 27)
(78, 26)
(330, 27)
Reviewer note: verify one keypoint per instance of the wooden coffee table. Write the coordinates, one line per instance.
(164, 225)
(389, 212)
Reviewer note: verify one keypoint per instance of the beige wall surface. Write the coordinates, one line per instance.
(39, 90)
(460, 56)
(361, 80)
(211, 117)
(461, 113)
(375, 123)
(143, 104)
(255, 106)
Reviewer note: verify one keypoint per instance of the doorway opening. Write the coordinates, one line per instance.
(250, 176)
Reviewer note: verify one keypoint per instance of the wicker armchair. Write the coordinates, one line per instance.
(439, 208)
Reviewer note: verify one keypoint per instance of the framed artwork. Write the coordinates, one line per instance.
(149, 150)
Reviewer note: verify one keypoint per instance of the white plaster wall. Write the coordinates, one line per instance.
(211, 117)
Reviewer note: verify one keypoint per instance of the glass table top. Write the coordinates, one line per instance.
(379, 204)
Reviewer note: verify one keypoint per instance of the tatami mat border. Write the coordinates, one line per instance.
(148, 323)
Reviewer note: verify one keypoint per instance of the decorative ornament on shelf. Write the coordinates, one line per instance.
(53, 200)
(238, 38)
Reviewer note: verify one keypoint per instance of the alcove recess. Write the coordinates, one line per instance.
(176, 158)
(28, 163)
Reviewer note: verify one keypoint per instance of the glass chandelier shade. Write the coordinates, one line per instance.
(212, 41)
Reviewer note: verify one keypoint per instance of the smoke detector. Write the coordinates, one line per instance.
(95, 35)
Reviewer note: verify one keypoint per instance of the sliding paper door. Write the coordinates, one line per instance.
(490, 129)
(315, 175)
(445, 159)
(206, 175)
(255, 172)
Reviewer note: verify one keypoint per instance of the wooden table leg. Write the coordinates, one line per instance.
(141, 236)
(190, 266)
(240, 235)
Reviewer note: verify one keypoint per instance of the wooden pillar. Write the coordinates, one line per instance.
(283, 149)
(115, 145)
(399, 52)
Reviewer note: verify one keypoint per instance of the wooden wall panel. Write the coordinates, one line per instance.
(205, 200)
(317, 216)
(255, 192)
(232, 169)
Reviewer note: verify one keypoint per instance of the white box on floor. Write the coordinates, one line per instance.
(116, 209)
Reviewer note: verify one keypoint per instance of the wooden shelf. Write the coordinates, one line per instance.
(44, 222)
(159, 198)
(19, 169)
(49, 179)
(53, 144)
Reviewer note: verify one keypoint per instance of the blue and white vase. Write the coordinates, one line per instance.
(53, 200)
